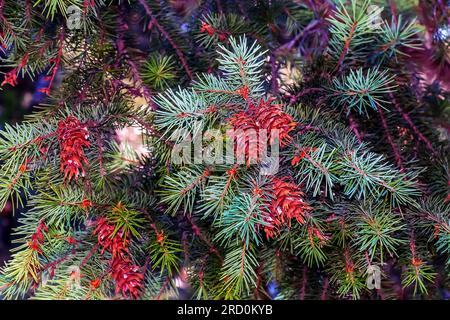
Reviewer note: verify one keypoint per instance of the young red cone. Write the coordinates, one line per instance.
(72, 138)
(127, 276)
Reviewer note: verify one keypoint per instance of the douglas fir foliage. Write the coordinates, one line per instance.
(353, 94)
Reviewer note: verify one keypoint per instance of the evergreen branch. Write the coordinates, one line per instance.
(361, 91)
(351, 30)
(181, 189)
(238, 272)
(240, 220)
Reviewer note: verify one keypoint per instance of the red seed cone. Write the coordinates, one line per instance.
(72, 138)
(287, 204)
(116, 244)
(271, 117)
(263, 115)
(244, 141)
(127, 276)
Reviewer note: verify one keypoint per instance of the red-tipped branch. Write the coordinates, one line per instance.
(56, 62)
(346, 46)
(196, 182)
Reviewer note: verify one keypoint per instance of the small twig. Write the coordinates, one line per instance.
(294, 99)
(304, 282)
(398, 157)
(354, 127)
(323, 296)
(408, 120)
(166, 35)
